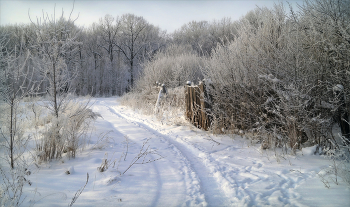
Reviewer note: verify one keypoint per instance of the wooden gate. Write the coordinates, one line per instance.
(196, 106)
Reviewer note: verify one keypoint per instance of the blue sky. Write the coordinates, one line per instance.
(168, 15)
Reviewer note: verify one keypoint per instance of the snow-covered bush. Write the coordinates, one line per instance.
(173, 67)
(66, 133)
(11, 187)
(275, 80)
(339, 170)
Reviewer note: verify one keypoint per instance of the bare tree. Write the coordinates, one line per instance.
(138, 38)
(56, 41)
(94, 57)
(109, 29)
(16, 82)
(57, 49)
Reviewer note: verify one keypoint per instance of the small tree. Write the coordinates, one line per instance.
(16, 82)
(57, 49)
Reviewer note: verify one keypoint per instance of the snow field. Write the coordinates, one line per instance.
(194, 170)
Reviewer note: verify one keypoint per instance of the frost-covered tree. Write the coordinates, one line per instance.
(222, 32)
(56, 59)
(57, 49)
(109, 29)
(203, 36)
(138, 40)
(172, 66)
(16, 82)
(195, 34)
(326, 31)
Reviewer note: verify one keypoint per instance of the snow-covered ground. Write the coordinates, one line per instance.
(196, 169)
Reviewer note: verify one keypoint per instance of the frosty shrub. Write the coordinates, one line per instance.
(13, 181)
(339, 170)
(173, 66)
(275, 80)
(66, 133)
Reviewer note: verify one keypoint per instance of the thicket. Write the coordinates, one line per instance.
(275, 76)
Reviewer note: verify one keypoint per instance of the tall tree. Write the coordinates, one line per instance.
(109, 29)
(138, 39)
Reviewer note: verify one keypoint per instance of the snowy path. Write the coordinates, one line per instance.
(217, 180)
(198, 180)
(195, 170)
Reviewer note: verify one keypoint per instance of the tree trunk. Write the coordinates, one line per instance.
(11, 135)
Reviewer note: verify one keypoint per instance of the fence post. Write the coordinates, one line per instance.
(196, 106)
(188, 100)
(202, 106)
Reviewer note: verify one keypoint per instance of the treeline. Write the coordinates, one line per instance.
(103, 59)
(107, 57)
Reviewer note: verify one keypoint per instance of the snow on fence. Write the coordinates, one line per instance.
(196, 106)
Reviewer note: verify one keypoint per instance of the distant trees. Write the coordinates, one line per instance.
(204, 36)
(112, 52)
(93, 61)
(108, 58)
(109, 29)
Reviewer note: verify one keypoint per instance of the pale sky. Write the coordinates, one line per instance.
(168, 15)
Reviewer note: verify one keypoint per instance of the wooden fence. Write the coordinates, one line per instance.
(196, 106)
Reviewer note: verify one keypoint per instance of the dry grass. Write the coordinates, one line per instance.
(171, 108)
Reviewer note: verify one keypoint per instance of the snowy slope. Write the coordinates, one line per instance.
(196, 169)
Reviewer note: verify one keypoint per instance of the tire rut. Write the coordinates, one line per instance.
(209, 187)
(194, 197)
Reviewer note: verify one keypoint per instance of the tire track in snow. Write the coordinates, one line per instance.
(113, 124)
(234, 180)
(194, 196)
(238, 181)
(214, 196)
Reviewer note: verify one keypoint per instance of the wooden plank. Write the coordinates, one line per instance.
(203, 109)
(197, 106)
(187, 102)
(191, 103)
